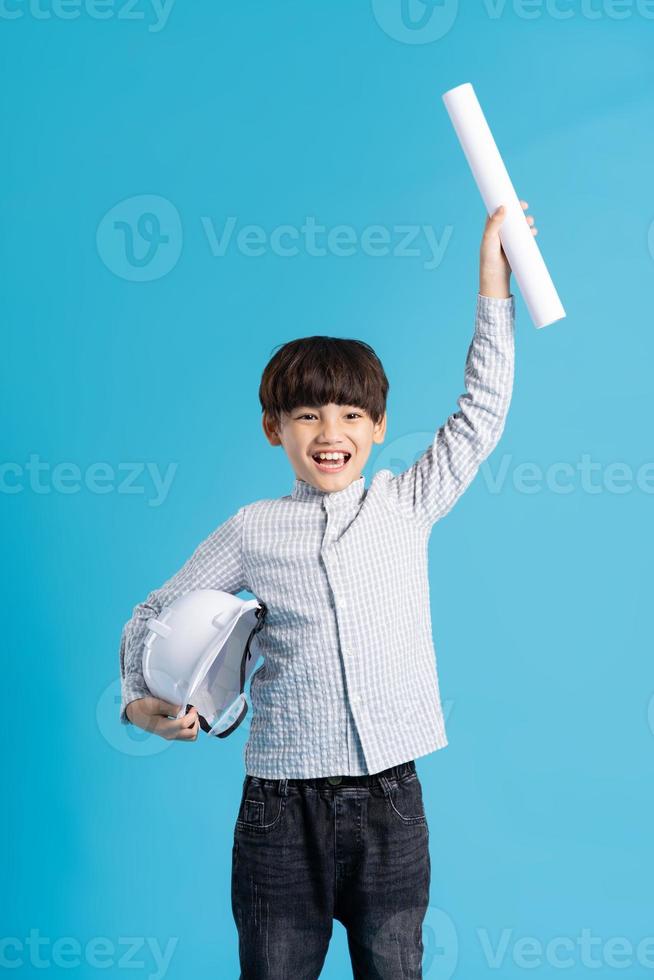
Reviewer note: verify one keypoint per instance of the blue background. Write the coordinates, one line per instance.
(540, 808)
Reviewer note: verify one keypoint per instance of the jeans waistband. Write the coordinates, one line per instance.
(366, 779)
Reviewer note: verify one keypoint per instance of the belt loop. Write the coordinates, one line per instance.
(283, 787)
(385, 784)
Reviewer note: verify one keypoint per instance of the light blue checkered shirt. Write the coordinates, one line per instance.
(349, 682)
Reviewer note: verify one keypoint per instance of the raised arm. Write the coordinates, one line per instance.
(217, 563)
(429, 488)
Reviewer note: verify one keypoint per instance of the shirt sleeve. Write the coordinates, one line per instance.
(429, 488)
(217, 563)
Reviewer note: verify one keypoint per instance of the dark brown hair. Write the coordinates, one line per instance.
(319, 370)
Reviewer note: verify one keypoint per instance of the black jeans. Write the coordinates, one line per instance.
(307, 851)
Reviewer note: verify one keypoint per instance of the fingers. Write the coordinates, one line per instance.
(493, 221)
(189, 725)
(499, 214)
(530, 219)
(184, 729)
(158, 717)
(189, 733)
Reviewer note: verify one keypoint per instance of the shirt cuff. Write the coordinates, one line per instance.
(496, 312)
(133, 687)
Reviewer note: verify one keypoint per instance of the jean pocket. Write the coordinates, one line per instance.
(404, 799)
(262, 807)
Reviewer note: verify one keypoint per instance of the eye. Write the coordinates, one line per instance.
(307, 415)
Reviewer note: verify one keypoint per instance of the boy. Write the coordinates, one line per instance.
(331, 821)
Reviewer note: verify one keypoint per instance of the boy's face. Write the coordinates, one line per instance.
(308, 430)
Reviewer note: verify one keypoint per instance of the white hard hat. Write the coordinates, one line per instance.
(200, 651)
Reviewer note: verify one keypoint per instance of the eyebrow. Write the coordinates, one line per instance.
(314, 408)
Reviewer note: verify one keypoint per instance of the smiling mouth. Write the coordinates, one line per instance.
(333, 463)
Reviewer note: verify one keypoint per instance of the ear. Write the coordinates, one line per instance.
(270, 430)
(379, 431)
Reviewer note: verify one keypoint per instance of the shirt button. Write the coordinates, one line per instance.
(357, 698)
(341, 602)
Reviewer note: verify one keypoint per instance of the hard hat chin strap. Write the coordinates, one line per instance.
(204, 724)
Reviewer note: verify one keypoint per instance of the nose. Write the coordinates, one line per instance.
(330, 435)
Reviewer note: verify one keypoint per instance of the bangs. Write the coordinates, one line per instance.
(320, 370)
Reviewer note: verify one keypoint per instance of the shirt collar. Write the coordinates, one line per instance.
(350, 494)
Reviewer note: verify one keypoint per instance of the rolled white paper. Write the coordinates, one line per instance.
(496, 188)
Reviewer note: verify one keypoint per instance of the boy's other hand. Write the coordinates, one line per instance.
(494, 268)
(152, 714)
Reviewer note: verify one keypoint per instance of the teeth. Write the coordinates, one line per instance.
(330, 455)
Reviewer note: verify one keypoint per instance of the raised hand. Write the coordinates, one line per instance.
(494, 268)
